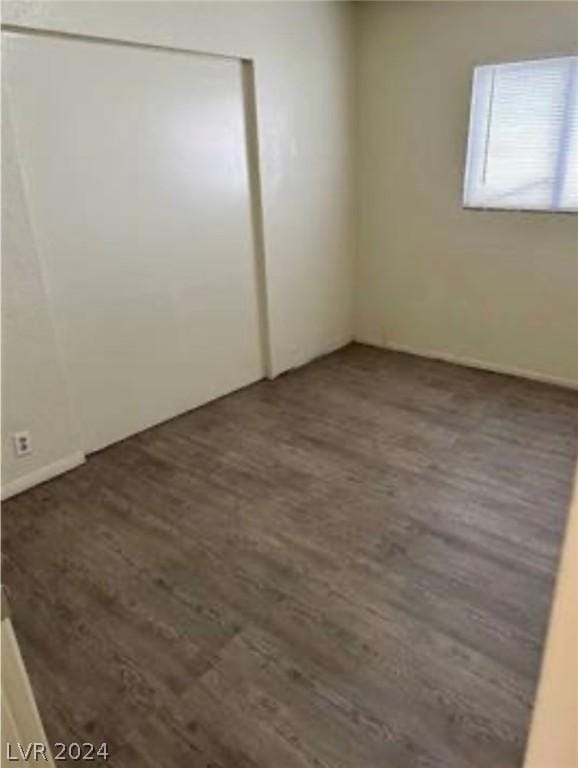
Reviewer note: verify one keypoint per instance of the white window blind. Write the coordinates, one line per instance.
(523, 138)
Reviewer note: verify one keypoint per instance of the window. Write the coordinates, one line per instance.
(523, 142)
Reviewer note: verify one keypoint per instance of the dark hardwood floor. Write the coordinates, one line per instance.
(348, 567)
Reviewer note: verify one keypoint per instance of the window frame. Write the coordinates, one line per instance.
(476, 142)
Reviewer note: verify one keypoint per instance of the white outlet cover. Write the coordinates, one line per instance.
(22, 443)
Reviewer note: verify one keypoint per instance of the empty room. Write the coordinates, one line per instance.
(289, 384)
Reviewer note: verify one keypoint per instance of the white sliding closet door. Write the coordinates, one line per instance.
(135, 168)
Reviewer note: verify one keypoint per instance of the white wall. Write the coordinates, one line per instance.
(156, 314)
(34, 392)
(303, 68)
(497, 288)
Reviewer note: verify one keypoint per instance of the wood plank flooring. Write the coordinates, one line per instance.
(348, 567)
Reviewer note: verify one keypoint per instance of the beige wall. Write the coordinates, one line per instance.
(499, 288)
(303, 67)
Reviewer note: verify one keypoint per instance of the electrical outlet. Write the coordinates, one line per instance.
(22, 443)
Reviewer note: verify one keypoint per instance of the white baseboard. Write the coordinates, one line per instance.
(470, 362)
(43, 474)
